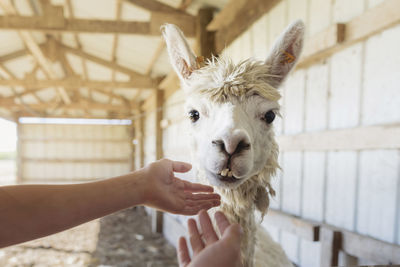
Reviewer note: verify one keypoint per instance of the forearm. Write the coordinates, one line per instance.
(33, 211)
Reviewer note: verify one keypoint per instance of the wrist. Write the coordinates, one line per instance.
(134, 188)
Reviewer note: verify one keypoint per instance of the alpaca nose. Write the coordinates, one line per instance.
(234, 143)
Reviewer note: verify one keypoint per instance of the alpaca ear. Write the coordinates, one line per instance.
(285, 53)
(181, 55)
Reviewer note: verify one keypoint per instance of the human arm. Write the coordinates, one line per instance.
(32, 211)
(208, 250)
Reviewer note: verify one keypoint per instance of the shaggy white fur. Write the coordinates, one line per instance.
(233, 145)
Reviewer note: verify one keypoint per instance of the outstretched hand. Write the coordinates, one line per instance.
(208, 250)
(168, 193)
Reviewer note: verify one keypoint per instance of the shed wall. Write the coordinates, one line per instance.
(349, 186)
(72, 153)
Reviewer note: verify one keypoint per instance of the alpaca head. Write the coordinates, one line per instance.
(232, 107)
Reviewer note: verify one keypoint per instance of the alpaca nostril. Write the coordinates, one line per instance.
(243, 145)
(220, 144)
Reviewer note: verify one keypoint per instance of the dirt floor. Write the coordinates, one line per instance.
(122, 239)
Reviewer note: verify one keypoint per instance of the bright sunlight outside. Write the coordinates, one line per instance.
(8, 143)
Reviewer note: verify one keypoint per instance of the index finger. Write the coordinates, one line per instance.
(193, 187)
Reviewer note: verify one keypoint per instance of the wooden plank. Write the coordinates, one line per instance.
(64, 140)
(75, 160)
(319, 45)
(368, 137)
(19, 160)
(185, 22)
(369, 248)
(226, 15)
(371, 22)
(252, 11)
(173, 229)
(330, 245)
(108, 116)
(78, 83)
(155, 57)
(34, 48)
(293, 224)
(205, 40)
(37, 23)
(109, 64)
(155, 6)
(14, 55)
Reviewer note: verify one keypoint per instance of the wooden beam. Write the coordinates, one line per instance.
(82, 160)
(320, 44)
(205, 40)
(14, 55)
(154, 6)
(74, 140)
(289, 223)
(367, 137)
(109, 64)
(369, 248)
(109, 116)
(77, 83)
(38, 23)
(373, 21)
(155, 57)
(10, 104)
(157, 216)
(34, 48)
(227, 15)
(330, 246)
(243, 19)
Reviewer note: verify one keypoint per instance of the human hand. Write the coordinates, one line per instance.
(207, 249)
(168, 193)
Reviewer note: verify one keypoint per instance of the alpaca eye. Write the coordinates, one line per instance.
(269, 117)
(194, 115)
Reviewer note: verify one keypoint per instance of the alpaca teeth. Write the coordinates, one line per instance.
(224, 172)
(230, 174)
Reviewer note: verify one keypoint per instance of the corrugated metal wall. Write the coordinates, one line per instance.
(71, 153)
(355, 189)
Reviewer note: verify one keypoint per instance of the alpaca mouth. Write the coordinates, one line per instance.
(226, 175)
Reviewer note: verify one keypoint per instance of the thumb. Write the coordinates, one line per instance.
(233, 234)
(179, 166)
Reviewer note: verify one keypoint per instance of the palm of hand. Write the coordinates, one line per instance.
(171, 194)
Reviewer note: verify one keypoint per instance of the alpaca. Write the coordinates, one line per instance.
(231, 108)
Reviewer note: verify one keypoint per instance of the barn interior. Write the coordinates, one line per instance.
(87, 89)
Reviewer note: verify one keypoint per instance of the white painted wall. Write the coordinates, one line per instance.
(357, 86)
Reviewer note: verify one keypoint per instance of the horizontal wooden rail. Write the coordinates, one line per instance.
(340, 36)
(333, 239)
(62, 140)
(64, 160)
(290, 223)
(368, 137)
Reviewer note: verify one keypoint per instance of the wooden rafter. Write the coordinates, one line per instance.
(76, 83)
(109, 64)
(35, 50)
(240, 21)
(61, 24)
(14, 55)
(155, 6)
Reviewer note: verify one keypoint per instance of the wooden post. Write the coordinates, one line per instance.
(157, 218)
(19, 158)
(330, 246)
(205, 41)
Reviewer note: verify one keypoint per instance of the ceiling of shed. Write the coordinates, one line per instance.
(96, 73)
